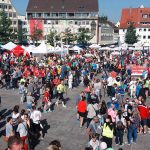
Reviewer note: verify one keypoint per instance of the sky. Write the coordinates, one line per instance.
(110, 8)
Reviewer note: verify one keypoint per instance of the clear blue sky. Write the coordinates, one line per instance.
(111, 8)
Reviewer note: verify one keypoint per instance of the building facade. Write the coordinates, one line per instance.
(11, 13)
(140, 18)
(108, 33)
(60, 15)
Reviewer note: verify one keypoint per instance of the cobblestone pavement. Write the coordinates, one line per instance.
(61, 124)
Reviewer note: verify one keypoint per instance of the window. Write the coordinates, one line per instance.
(38, 14)
(123, 30)
(0, 6)
(148, 37)
(148, 29)
(10, 14)
(14, 15)
(56, 22)
(144, 37)
(145, 15)
(144, 29)
(76, 22)
(10, 7)
(15, 23)
(87, 22)
(140, 29)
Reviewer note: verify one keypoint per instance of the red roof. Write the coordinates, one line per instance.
(135, 15)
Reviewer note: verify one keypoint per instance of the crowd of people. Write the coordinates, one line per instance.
(113, 101)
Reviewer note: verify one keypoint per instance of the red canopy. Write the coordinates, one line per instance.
(18, 50)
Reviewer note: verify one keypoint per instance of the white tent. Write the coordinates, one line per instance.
(41, 49)
(77, 48)
(9, 46)
(105, 48)
(137, 44)
(116, 48)
(29, 48)
(94, 46)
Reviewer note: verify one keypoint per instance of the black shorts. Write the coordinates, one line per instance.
(144, 122)
(82, 114)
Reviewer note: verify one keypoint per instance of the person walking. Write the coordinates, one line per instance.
(133, 123)
(61, 90)
(108, 130)
(82, 107)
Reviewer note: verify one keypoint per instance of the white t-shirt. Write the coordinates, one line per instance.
(36, 116)
(110, 81)
(94, 144)
(91, 110)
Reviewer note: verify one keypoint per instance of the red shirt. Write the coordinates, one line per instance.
(82, 106)
(42, 72)
(36, 72)
(144, 111)
(56, 82)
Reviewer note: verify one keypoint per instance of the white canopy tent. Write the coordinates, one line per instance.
(9, 46)
(41, 49)
(105, 48)
(95, 46)
(116, 48)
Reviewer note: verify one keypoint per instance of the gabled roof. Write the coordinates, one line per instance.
(135, 16)
(62, 6)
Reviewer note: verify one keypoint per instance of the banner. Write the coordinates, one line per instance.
(35, 24)
(137, 70)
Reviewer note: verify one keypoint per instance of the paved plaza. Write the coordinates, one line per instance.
(61, 124)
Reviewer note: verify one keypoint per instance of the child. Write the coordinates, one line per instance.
(94, 143)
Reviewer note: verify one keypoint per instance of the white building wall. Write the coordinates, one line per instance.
(143, 33)
(11, 12)
(122, 33)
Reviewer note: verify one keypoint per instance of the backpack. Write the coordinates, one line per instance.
(120, 125)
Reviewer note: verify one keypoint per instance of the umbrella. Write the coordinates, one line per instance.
(88, 55)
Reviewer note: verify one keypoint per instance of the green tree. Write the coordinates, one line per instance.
(36, 35)
(131, 36)
(6, 32)
(52, 38)
(68, 37)
(83, 36)
(22, 36)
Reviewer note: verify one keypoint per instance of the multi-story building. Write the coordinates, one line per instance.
(60, 15)
(11, 12)
(140, 18)
(108, 33)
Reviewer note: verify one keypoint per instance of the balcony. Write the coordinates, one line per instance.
(63, 15)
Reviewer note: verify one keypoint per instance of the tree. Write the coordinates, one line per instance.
(68, 37)
(36, 35)
(22, 36)
(6, 32)
(83, 36)
(52, 38)
(131, 36)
